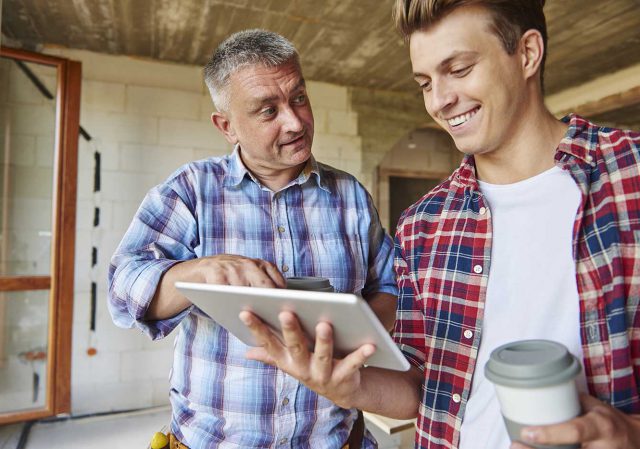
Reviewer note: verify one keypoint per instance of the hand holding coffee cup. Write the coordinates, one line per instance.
(535, 385)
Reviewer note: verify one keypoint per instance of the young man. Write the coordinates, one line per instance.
(535, 235)
(265, 212)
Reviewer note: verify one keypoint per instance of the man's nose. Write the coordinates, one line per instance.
(442, 97)
(291, 121)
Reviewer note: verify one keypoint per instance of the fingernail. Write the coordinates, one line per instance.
(368, 350)
(244, 318)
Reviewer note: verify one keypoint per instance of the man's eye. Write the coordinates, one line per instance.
(268, 111)
(426, 87)
(461, 71)
(300, 99)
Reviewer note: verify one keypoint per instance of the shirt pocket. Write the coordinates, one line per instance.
(341, 259)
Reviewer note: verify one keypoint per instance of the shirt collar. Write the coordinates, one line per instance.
(238, 172)
(580, 141)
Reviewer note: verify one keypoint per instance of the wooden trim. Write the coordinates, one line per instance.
(398, 173)
(63, 264)
(4, 240)
(28, 56)
(26, 415)
(17, 283)
(609, 103)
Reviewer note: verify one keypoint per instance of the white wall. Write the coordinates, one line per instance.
(147, 118)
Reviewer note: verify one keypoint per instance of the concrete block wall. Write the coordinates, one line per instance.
(147, 118)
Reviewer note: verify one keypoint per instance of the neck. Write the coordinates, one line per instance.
(272, 177)
(529, 152)
(275, 180)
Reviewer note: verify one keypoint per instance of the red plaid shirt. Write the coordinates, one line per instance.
(443, 256)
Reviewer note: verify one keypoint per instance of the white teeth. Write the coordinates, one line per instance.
(460, 119)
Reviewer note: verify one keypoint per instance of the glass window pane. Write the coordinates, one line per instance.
(27, 148)
(24, 323)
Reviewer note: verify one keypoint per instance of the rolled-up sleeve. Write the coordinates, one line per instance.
(163, 232)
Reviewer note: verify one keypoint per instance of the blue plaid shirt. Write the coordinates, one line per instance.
(321, 224)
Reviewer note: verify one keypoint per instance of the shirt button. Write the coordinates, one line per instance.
(285, 401)
(285, 268)
(280, 228)
(589, 158)
(456, 398)
(477, 269)
(483, 210)
(468, 334)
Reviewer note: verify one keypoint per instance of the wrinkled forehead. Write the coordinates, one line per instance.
(257, 84)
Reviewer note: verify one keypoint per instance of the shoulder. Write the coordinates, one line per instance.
(606, 140)
(433, 201)
(427, 211)
(613, 140)
(340, 181)
(196, 170)
(189, 181)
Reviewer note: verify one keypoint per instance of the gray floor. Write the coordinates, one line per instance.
(118, 431)
(126, 431)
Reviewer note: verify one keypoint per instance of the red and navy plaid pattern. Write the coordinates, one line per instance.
(443, 257)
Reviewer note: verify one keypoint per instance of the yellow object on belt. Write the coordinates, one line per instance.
(168, 441)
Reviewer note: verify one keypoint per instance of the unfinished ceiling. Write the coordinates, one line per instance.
(348, 42)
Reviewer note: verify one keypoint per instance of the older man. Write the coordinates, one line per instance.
(254, 217)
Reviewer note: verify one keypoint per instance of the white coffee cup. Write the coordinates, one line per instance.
(535, 385)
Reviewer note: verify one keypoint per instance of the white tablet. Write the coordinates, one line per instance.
(353, 321)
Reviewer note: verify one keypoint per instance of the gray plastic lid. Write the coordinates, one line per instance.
(531, 364)
(309, 283)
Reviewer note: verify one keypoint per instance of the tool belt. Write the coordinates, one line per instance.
(354, 441)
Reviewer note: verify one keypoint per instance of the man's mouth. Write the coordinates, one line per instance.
(462, 118)
(295, 140)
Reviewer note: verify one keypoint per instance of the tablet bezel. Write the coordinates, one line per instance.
(353, 321)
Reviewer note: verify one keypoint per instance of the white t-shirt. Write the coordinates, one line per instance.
(532, 291)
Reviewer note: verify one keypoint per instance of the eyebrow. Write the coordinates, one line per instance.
(447, 62)
(255, 105)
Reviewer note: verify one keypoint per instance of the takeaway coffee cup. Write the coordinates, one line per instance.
(317, 284)
(535, 385)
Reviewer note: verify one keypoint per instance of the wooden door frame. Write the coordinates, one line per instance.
(60, 283)
(384, 194)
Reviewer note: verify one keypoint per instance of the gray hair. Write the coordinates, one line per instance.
(244, 48)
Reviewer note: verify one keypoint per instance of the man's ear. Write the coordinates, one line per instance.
(221, 121)
(531, 50)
